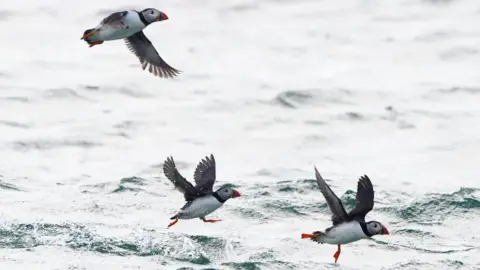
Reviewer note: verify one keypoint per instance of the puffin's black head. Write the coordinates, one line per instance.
(152, 15)
(226, 193)
(375, 227)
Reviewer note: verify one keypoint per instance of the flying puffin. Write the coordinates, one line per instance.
(201, 199)
(128, 25)
(351, 227)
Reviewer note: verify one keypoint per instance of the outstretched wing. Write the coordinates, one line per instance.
(114, 20)
(338, 212)
(364, 201)
(205, 175)
(141, 46)
(171, 172)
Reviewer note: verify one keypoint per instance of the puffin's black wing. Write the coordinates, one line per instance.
(171, 172)
(364, 201)
(139, 44)
(114, 19)
(338, 212)
(205, 175)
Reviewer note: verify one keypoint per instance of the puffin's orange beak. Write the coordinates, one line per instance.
(385, 231)
(162, 17)
(235, 194)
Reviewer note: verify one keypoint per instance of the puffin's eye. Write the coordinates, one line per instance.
(152, 12)
(226, 190)
(375, 225)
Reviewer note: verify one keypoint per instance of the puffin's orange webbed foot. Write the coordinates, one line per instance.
(212, 220)
(172, 223)
(337, 254)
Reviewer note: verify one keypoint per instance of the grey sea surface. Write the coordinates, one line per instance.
(272, 88)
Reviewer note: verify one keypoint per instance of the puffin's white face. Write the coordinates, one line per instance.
(375, 227)
(227, 193)
(153, 15)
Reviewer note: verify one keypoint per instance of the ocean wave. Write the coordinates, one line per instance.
(14, 124)
(453, 90)
(46, 144)
(129, 183)
(294, 99)
(195, 249)
(258, 265)
(8, 186)
(435, 208)
(64, 93)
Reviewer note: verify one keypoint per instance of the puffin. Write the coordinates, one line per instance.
(347, 227)
(200, 199)
(128, 25)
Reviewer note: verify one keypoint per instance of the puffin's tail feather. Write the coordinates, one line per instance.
(306, 235)
(312, 235)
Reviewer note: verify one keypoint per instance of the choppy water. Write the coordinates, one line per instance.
(390, 89)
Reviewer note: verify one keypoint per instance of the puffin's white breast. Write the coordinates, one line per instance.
(201, 207)
(344, 233)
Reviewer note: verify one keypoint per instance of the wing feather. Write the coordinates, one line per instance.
(205, 174)
(141, 46)
(339, 214)
(180, 183)
(364, 200)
